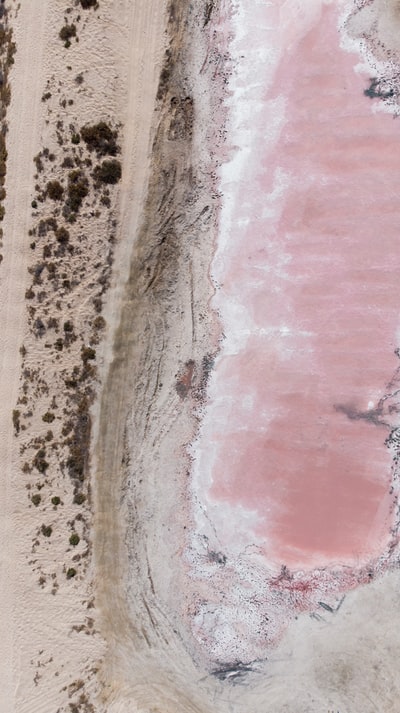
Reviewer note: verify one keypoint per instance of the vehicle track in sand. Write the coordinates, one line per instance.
(143, 424)
(22, 144)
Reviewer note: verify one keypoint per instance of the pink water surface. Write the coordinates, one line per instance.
(303, 444)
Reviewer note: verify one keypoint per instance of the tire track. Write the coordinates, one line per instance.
(26, 80)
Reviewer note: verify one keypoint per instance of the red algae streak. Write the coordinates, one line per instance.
(303, 394)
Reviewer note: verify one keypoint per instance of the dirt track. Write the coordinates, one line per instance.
(13, 279)
(144, 424)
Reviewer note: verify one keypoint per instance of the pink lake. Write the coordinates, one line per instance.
(301, 401)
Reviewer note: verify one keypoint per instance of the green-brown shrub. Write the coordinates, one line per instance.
(108, 171)
(67, 32)
(101, 139)
(78, 189)
(54, 190)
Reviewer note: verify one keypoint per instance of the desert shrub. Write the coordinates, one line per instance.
(76, 461)
(108, 172)
(89, 3)
(51, 269)
(39, 327)
(99, 322)
(51, 223)
(55, 500)
(75, 138)
(88, 353)
(68, 326)
(105, 200)
(79, 498)
(38, 162)
(11, 50)
(36, 499)
(54, 190)
(97, 304)
(62, 235)
(52, 323)
(74, 539)
(164, 79)
(78, 189)
(71, 572)
(29, 294)
(48, 417)
(100, 138)
(68, 162)
(16, 419)
(40, 462)
(34, 204)
(67, 32)
(46, 530)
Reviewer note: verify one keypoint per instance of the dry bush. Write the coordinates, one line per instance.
(100, 138)
(108, 172)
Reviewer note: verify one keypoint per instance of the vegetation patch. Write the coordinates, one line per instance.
(54, 190)
(67, 33)
(7, 51)
(108, 171)
(78, 189)
(100, 138)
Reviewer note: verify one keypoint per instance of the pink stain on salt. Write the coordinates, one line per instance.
(304, 443)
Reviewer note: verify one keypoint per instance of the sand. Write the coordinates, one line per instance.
(28, 72)
(126, 632)
(51, 646)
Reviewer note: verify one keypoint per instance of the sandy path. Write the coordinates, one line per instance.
(22, 144)
(146, 22)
